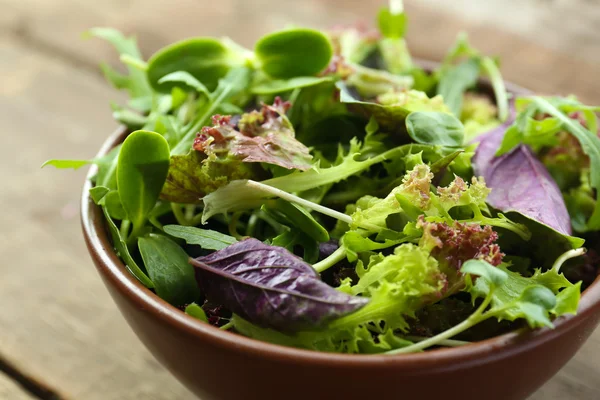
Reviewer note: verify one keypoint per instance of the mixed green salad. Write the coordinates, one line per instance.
(324, 191)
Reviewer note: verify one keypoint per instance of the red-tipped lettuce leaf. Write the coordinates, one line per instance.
(271, 287)
(265, 136)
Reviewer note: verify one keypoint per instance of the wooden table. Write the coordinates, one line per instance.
(60, 333)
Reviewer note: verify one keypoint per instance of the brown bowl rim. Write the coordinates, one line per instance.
(114, 271)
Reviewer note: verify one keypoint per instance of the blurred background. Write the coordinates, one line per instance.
(61, 336)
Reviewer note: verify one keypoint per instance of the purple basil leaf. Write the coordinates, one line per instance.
(519, 181)
(271, 287)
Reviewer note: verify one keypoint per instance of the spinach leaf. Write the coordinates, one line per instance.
(168, 267)
(142, 170)
(435, 128)
(293, 52)
(205, 238)
(271, 287)
(206, 59)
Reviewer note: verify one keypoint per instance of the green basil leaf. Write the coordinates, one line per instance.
(205, 238)
(435, 128)
(141, 173)
(293, 52)
(167, 264)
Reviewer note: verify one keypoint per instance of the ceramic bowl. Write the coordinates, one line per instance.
(220, 365)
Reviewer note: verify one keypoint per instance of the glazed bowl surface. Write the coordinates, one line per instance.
(220, 365)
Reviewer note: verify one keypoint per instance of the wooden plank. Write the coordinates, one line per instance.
(60, 323)
(53, 103)
(11, 391)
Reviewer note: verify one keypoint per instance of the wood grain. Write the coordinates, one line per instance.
(11, 391)
(57, 321)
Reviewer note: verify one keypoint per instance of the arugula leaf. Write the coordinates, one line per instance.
(205, 238)
(590, 143)
(167, 265)
(135, 82)
(455, 82)
(67, 164)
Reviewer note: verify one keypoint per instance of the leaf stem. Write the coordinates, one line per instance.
(566, 256)
(179, 215)
(134, 62)
(227, 326)
(124, 229)
(493, 72)
(299, 200)
(232, 226)
(473, 320)
(447, 342)
(331, 260)
(396, 7)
